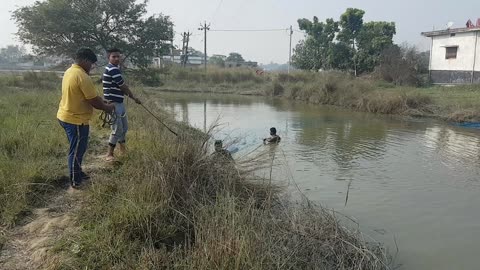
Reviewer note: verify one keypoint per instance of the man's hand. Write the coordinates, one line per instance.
(109, 107)
(99, 104)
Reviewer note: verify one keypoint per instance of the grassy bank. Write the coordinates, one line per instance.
(167, 204)
(459, 103)
(31, 144)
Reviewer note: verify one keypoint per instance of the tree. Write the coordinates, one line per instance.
(373, 39)
(351, 23)
(340, 56)
(349, 44)
(402, 65)
(217, 60)
(305, 56)
(235, 57)
(60, 27)
(313, 53)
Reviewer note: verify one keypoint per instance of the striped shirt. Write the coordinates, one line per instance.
(112, 80)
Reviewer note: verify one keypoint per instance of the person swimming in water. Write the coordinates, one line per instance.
(274, 138)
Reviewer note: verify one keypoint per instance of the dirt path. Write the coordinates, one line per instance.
(28, 244)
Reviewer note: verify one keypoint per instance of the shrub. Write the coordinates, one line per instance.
(148, 76)
(403, 66)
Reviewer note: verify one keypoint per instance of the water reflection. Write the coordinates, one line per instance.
(454, 145)
(336, 141)
(415, 179)
(339, 138)
(456, 149)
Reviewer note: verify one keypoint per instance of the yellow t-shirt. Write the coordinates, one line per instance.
(77, 87)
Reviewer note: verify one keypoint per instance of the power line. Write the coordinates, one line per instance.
(216, 10)
(249, 30)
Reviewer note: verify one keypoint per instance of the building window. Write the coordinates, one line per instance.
(451, 52)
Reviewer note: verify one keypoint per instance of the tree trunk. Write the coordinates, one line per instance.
(354, 59)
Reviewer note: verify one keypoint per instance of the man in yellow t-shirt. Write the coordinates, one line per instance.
(79, 97)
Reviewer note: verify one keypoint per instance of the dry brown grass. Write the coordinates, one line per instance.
(331, 88)
(170, 205)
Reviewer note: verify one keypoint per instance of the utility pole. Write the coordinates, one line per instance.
(205, 28)
(186, 39)
(290, 50)
(186, 48)
(182, 57)
(172, 54)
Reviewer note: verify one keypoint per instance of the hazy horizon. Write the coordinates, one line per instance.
(411, 18)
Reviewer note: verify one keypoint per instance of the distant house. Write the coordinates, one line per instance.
(176, 57)
(455, 55)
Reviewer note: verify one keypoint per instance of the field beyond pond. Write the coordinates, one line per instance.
(451, 103)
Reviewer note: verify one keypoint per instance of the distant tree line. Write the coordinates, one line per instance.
(218, 60)
(12, 54)
(349, 44)
(60, 27)
(358, 47)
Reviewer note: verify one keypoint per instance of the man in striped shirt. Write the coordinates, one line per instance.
(114, 90)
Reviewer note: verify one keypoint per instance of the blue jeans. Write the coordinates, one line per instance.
(120, 127)
(78, 137)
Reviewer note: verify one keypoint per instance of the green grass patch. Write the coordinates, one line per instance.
(32, 149)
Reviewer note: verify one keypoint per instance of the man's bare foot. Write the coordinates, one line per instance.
(111, 149)
(122, 149)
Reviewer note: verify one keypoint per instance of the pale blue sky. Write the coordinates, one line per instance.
(411, 17)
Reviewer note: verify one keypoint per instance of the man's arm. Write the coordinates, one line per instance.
(118, 79)
(126, 90)
(98, 103)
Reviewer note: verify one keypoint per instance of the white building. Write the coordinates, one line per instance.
(455, 55)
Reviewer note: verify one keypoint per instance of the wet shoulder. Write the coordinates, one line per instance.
(275, 139)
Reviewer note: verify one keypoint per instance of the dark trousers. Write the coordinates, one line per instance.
(78, 138)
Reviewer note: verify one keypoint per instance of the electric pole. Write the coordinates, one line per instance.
(182, 58)
(172, 54)
(205, 28)
(186, 39)
(290, 50)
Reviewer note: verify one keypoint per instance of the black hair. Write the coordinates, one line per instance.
(113, 50)
(85, 54)
(273, 130)
(218, 142)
